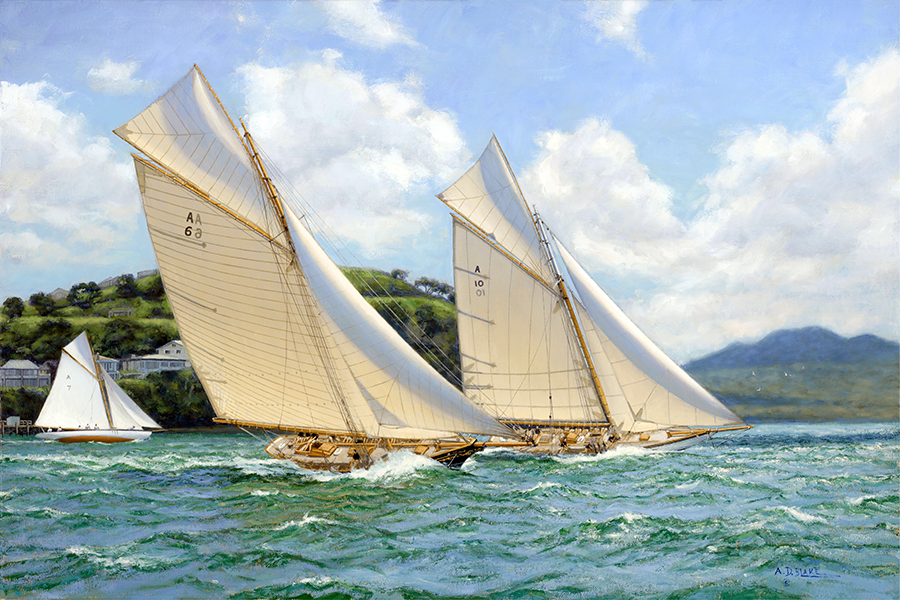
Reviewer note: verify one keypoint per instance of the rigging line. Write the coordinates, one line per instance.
(103, 392)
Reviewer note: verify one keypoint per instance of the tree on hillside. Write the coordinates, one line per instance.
(434, 288)
(154, 289)
(13, 307)
(394, 313)
(48, 339)
(400, 274)
(427, 320)
(127, 336)
(42, 303)
(83, 295)
(125, 287)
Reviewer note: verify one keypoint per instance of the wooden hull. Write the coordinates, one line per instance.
(587, 440)
(342, 455)
(103, 436)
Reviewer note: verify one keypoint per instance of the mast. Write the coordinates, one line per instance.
(267, 183)
(103, 392)
(276, 203)
(582, 344)
(561, 287)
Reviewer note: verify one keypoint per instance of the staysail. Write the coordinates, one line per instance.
(271, 326)
(646, 389)
(76, 399)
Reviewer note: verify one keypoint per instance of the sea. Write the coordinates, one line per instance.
(781, 511)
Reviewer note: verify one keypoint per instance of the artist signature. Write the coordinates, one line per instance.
(789, 573)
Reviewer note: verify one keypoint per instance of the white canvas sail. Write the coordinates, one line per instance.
(488, 197)
(246, 315)
(125, 413)
(517, 350)
(657, 392)
(271, 332)
(75, 399)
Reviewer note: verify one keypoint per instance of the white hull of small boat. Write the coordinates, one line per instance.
(104, 436)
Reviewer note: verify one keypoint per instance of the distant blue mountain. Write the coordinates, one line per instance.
(806, 345)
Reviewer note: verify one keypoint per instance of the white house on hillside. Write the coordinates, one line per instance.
(168, 357)
(23, 373)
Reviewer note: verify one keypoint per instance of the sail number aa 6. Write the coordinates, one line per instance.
(193, 230)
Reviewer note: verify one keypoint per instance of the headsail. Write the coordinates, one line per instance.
(657, 393)
(271, 328)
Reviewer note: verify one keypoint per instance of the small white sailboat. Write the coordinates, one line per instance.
(277, 335)
(547, 351)
(86, 405)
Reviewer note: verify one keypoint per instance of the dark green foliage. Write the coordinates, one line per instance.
(13, 307)
(153, 290)
(173, 399)
(125, 287)
(22, 402)
(83, 295)
(122, 336)
(394, 313)
(49, 338)
(400, 274)
(427, 321)
(42, 303)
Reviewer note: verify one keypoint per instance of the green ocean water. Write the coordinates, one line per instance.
(782, 511)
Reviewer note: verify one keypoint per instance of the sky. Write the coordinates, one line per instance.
(722, 168)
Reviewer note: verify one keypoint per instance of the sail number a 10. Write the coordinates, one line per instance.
(193, 230)
(479, 283)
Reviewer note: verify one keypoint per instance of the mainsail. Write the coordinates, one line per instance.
(276, 334)
(524, 339)
(84, 396)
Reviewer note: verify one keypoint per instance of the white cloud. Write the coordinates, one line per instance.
(364, 23)
(796, 230)
(64, 200)
(363, 154)
(115, 78)
(616, 21)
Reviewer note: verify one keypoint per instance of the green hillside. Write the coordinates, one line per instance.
(36, 329)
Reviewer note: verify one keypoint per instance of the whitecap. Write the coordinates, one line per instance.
(397, 465)
(802, 516)
(615, 453)
(264, 492)
(323, 580)
(687, 486)
(542, 486)
(860, 500)
(304, 521)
